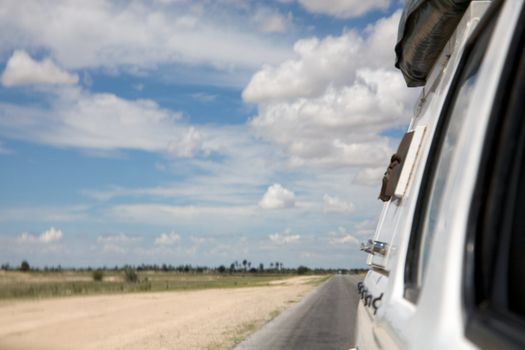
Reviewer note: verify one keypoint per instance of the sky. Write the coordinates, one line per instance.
(196, 131)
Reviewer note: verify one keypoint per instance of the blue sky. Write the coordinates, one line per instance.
(198, 132)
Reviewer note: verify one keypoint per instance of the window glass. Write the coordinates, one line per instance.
(446, 145)
(516, 249)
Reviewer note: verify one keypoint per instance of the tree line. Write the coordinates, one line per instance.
(236, 267)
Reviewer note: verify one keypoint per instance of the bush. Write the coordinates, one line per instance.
(130, 275)
(98, 275)
(301, 270)
(24, 266)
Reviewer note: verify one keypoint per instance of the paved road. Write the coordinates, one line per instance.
(325, 319)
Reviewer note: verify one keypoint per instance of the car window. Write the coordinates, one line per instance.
(437, 170)
(494, 284)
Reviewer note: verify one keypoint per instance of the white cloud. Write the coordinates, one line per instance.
(167, 239)
(101, 121)
(342, 237)
(285, 237)
(117, 243)
(344, 8)
(51, 235)
(370, 177)
(331, 61)
(345, 239)
(277, 197)
(21, 70)
(43, 214)
(270, 21)
(160, 214)
(329, 106)
(203, 97)
(121, 238)
(336, 205)
(111, 34)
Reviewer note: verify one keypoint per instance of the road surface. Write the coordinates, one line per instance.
(325, 319)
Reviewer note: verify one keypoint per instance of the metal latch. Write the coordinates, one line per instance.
(374, 247)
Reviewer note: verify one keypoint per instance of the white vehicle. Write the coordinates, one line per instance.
(447, 262)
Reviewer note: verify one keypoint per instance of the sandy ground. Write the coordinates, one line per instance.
(206, 319)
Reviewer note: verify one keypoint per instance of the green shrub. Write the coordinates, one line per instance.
(24, 266)
(302, 270)
(98, 275)
(131, 276)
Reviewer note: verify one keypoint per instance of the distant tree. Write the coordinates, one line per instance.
(271, 265)
(222, 269)
(98, 275)
(6, 267)
(244, 263)
(261, 267)
(301, 270)
(24, 266)
(277, 265)
(164, 268)
(232, 268)
(130, 275)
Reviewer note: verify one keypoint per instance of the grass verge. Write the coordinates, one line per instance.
(15, 285)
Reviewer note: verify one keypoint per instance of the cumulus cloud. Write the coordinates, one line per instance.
(270, 21)
(277, 197)
(118, 238)
(117, 243)
(342, 237)
(344, 8)
(21, 70)
(370, 176)
(345, 239)
(336, 205)
(331, 61)
(49, 236)
(100, 121)
(330, 105)
(167, 239)
(110, 34)
(285, 237)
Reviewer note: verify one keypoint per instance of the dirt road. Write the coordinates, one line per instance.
(206, 319)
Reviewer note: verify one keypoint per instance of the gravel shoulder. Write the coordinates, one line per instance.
(205, 319)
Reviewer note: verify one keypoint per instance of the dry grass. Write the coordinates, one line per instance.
(57, 284)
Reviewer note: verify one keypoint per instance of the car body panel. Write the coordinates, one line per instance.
(436, 321)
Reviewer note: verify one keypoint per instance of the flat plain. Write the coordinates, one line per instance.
(197, 312)
(15, 284)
